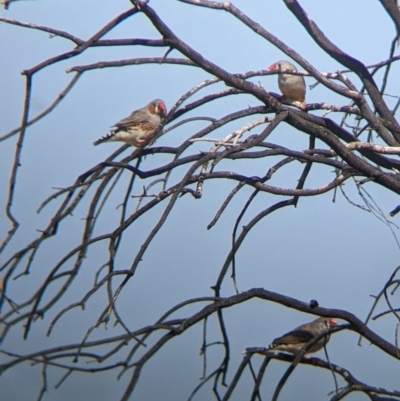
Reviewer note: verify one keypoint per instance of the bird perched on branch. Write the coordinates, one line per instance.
(293, 87)
(294, 340)
(138, 129)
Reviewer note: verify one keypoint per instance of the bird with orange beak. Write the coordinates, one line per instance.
(293, 87)
(295, 340)
(139, 128)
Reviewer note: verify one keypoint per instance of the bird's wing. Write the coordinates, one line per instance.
(136, 118)
(294, 337)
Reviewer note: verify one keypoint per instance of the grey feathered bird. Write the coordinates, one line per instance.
(138, 129)
(293, 87)
(294, 340)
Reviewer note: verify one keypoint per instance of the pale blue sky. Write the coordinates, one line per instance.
(332, 252)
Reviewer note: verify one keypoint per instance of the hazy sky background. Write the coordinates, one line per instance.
(332, 252)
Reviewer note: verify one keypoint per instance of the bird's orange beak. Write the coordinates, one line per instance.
(161, 106)
(333, 322)
(272, 67)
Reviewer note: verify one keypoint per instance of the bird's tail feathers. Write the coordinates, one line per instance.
(105, 138)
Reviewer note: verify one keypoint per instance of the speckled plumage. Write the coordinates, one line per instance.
(138, 128)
